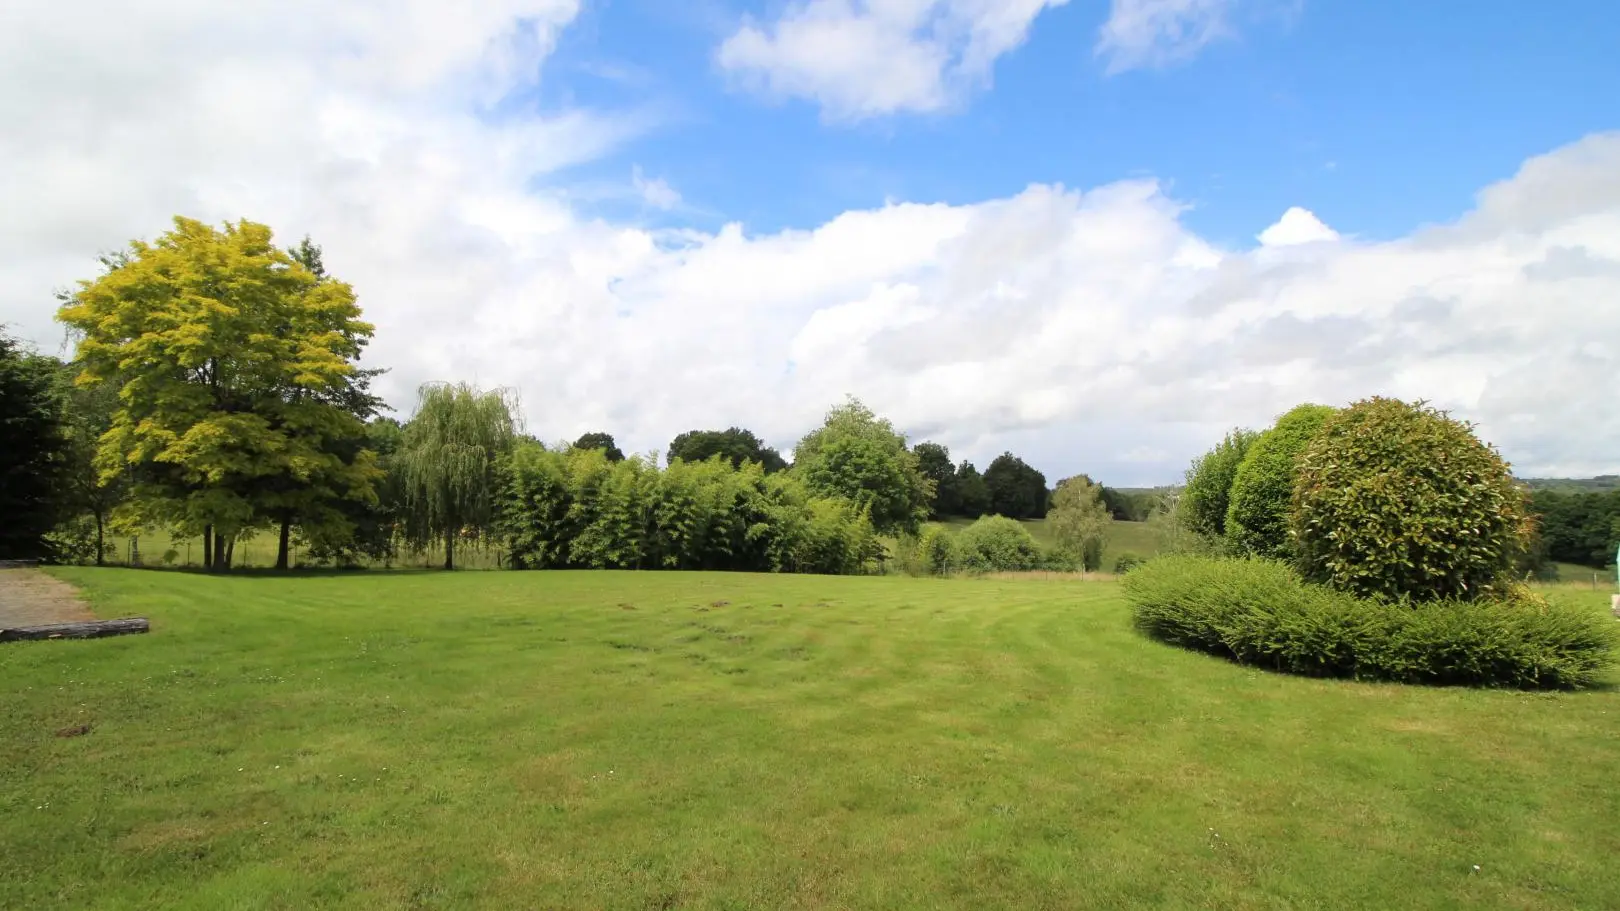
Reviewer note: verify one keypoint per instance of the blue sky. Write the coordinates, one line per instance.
(1379, 116)
(1096, 232)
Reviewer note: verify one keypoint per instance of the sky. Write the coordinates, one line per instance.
(1097, 233)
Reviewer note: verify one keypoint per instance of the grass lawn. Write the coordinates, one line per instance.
(1586, 576)
(615, 740)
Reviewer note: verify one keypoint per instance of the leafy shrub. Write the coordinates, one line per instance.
(1402, 501)
(1263, 487)
(1260, 612)
(937, 548)
(1207, 497)
(1127, 562)
(577, 509)
(997, 544)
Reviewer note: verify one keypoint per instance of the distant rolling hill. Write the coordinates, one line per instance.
(1599, 484)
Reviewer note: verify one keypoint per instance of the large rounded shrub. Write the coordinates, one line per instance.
(997, 544)
(1204, 501)
(1263, 487)
(1260, 612)
(1400, 500)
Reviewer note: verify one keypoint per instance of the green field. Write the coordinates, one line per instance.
(617, 740)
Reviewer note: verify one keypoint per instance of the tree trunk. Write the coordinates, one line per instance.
(101, 539)
(286, 537)
(208, 548)
(230, 553)
(450, 549)
(87, 630)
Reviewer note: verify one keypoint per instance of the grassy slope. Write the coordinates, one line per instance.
(498, 740)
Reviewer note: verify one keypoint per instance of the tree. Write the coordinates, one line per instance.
(88, 412)
(1398, 500)
(860, 457)
(1263, 486)
(1580, 527)
(972, 491)
(934, 461)
(602, 441)
(1130, 505)
(323, 508)
(1080, 520)
(369, 528)
(1207, 497)
(34, 453)
(1017, 491)
(448, 461)
(236, 374)
(733, 444)
(308, 255)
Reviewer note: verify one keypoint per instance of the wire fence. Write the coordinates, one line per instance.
(260, 551)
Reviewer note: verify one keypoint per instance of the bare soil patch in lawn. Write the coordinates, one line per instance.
(29, 597)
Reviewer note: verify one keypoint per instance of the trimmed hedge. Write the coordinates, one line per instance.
(1207, 496)
(1263, 488)
(1260, 612)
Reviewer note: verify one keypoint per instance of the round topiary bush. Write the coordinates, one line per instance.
(997, 544)
(1399, 500)
(1263, 487)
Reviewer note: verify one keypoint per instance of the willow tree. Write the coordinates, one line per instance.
(448, 458)
(1079, 520)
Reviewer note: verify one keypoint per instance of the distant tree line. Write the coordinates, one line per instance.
(1578, 527)
(216, 392)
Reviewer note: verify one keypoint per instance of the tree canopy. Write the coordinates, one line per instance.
(34, 454)
(971, 491)
(1580, 527)
(862, 458)
(733, 444)
(236, 370)
(934, 461)
(89, 494)
(602, 441)
(1017, 490)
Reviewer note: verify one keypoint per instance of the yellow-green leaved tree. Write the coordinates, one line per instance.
(240, 400)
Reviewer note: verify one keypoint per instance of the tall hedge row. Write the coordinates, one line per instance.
(1263, 486)
(577, 509)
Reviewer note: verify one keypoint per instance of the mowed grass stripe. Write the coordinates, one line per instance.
(588, 740)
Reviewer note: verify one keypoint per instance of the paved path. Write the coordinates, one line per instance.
(29, 597)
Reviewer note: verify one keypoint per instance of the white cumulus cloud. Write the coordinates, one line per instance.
(865, 58)
(1297, 226)
(1087, 329)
